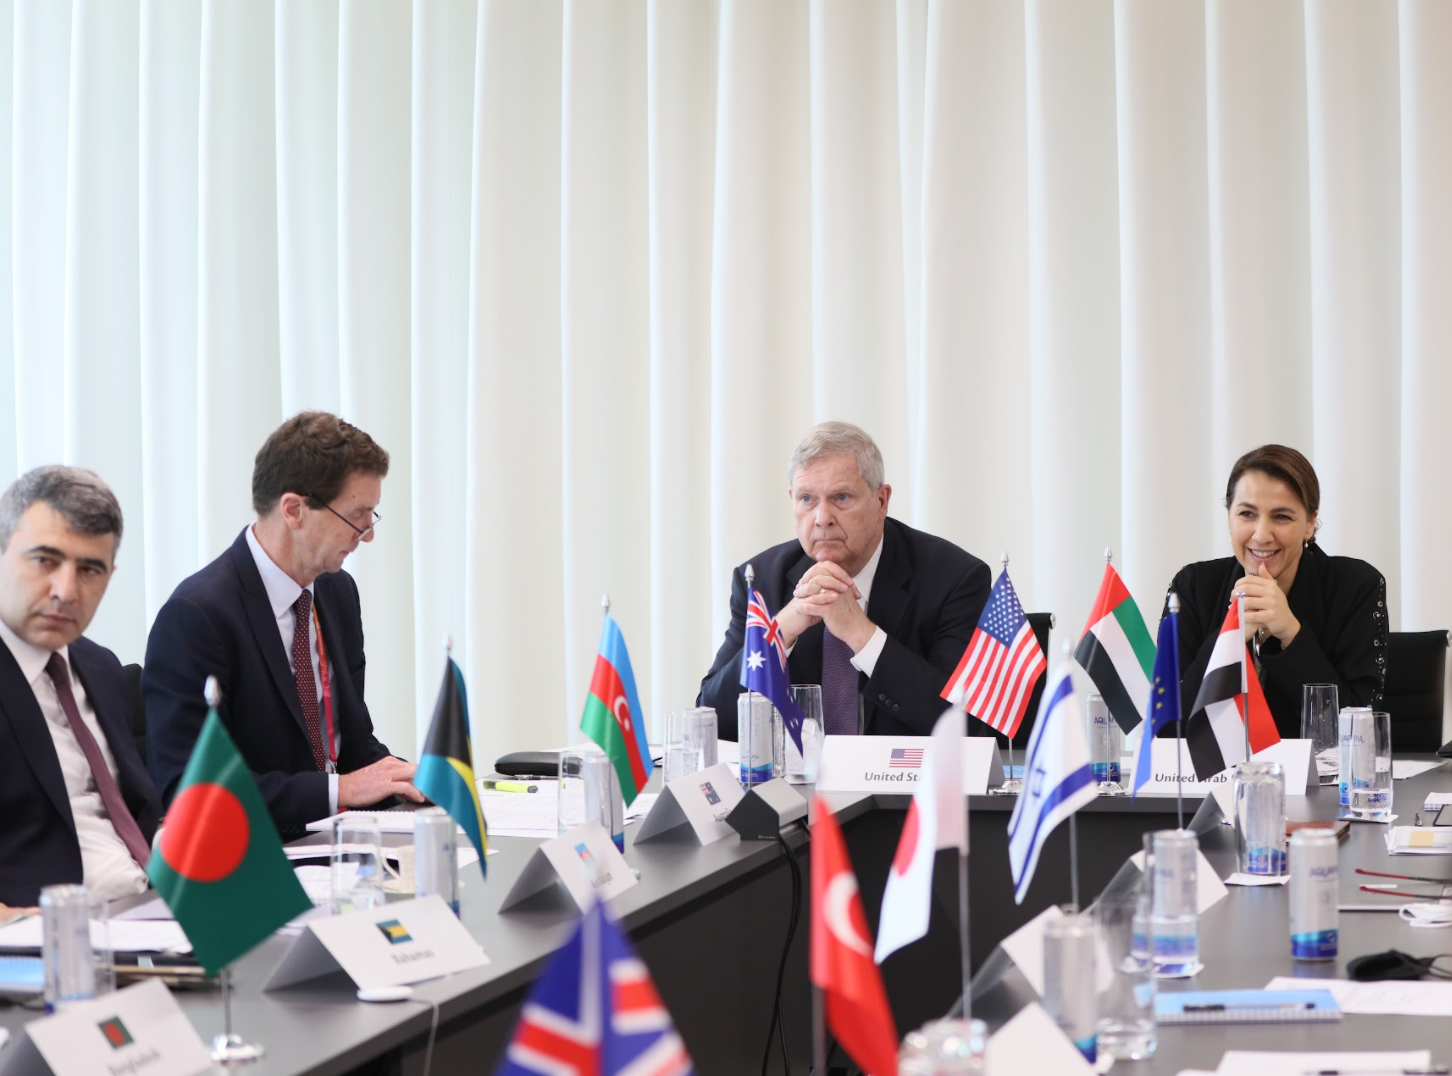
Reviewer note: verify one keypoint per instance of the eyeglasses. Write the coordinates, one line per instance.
(361, 532)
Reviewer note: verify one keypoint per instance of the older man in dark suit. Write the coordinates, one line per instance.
(76, 802)
(279, 623)
(876, 612)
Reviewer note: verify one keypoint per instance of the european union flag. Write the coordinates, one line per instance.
(1164, 700)
(763, 664)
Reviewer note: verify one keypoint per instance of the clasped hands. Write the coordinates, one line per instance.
(826, 593)
(1266, 607)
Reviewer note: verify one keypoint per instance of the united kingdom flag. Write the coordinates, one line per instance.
(595, 1012)
(763, 664)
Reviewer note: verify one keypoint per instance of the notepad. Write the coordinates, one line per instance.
(1247, 1007)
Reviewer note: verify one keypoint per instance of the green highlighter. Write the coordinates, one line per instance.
(509, 786)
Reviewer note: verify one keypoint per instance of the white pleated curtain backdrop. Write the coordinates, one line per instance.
(587, 270)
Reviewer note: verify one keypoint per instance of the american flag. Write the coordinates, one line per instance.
(906, 758)
(1001, 664)
(595, 1012)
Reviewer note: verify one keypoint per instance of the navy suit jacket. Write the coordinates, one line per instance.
(38, 844)
(219, 623)
(927, 596)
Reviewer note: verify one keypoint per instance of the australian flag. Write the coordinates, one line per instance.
(763, 664)
(595, 1012)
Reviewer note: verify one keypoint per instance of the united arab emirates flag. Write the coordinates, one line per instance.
(1117, 651)
(446, 768)
(218, 863)
(613, 717)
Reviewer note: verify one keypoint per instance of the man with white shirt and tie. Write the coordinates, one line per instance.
(876, 612)
(279, 623)
(76, 802)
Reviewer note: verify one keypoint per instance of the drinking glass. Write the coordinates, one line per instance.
(1106, 745)
(1070, 945)
(1126, 1026)
(801, 766)
(945, 1048)
(698, 733)
(1260, 818)
(590, 792)
(1319, 709)
(1371, 766)
(681, 757)
(356, 866)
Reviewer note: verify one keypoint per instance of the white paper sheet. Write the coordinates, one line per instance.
(522, 814)
(153, 907)
(1241, 878)
(126, 935)
(1393, 997)
(1402, 768)
(1276, 1063)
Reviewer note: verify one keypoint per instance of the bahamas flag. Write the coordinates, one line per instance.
(613, 717)
(446, 769)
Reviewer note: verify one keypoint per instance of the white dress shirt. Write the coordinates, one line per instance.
(107, 868)
(282, 593)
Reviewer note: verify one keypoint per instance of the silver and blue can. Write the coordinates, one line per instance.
(1071, 993)
(755, 737)
(435, 856)
(1175, 919)
(1345, 737)
(69, 959)
(1314, 883)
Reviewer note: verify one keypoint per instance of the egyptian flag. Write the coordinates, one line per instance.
(218, 862)
(1117, 652)
(1216, 730)
(446, 766)
(937, 818)
(613, 716)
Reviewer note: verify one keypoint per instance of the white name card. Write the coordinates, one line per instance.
(1209, 889)
(139, 1031)
(394, 945)
(1293, 755)
(893, 764)
(1031, 1044)
(701, 799)
(584, 860)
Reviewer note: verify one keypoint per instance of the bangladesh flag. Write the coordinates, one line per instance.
(218, 863)
(613, 717)
(1117, 651)
(446, 768)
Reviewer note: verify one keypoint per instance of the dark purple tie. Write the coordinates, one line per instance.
(111, 798)
(302, 671)
(839, 686)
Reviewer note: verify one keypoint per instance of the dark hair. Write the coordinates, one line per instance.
(84, 501)
(312, 454)
(1282, 463)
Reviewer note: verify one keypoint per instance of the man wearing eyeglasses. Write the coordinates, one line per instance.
(278, 622)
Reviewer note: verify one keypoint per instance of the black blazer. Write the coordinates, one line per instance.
(1341, 604)
(927, 596)
(219, 623)
(38, 844)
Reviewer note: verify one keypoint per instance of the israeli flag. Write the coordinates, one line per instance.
(1057, 778)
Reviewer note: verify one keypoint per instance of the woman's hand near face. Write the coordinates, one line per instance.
(1266, 607)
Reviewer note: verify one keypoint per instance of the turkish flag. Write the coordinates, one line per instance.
(842, 964)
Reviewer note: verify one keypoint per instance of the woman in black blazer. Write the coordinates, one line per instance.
(1310, 618)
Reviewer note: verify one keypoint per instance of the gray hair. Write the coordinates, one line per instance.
(838, 439)
(82, 499)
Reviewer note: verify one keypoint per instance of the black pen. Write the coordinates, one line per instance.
(1294, 1006)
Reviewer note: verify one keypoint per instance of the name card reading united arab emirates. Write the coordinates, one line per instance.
(893, 763)
(584, 860)
(394, 945)
(703, 799)
(139, 1031)
(1293, 755)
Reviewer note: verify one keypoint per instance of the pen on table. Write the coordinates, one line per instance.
(1293, 1006)
(510, 786)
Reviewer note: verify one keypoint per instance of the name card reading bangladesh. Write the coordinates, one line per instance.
(1293, 755)
(702, 799)
(584, 860)
(397, 944)
(894, 763)
(139, 1031)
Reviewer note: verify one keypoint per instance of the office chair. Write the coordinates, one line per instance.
(1416, 662)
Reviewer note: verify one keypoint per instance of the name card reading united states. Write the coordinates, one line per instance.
(893, 763)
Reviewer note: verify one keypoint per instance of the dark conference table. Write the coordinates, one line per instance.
(710, 924)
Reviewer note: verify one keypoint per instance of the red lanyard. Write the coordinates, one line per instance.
(326, 686)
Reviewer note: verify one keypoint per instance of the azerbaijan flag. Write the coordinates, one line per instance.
(218, 862)
(613, 717)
